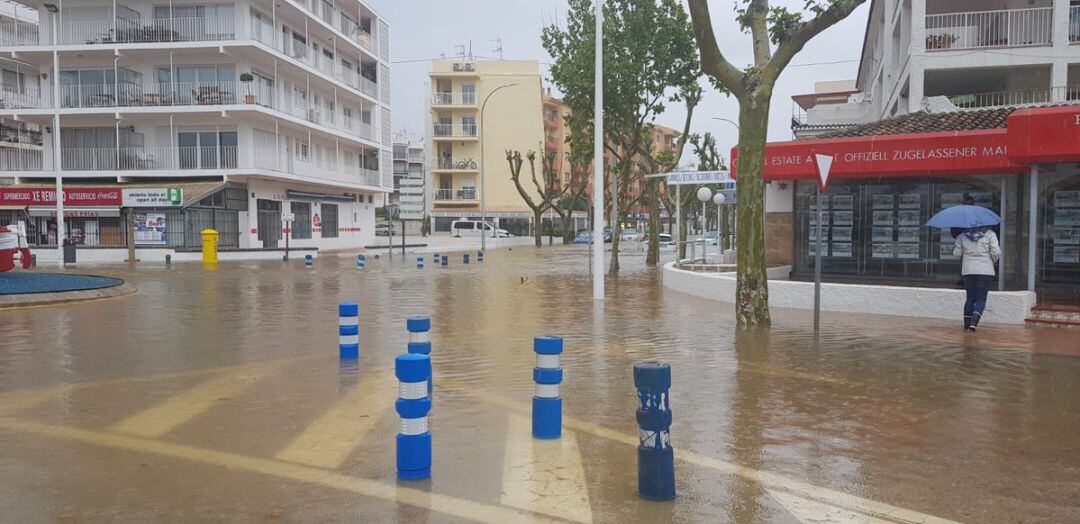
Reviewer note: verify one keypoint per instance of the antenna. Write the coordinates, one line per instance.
(497, 47)
(460, 48)
(471, 58)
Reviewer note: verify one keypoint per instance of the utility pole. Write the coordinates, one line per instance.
(598, 159)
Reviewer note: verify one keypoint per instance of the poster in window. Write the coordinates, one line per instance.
(841, 202)
(841, 249)
(841, 234)
(909, 234)
(843, 218)
(951, 199)
(884, 201)
(947, 251)
(150, 229)
(1066, 217)
(908, 251)
(883, 251)
(1067, 254)
(1062, 235)
(883, 218)
(813, 235)
(824, 222)
(813, 249)
(824, 203)
(908, 217)
(911, 201)
(1067, 199)
(882, 234)
(984, 199)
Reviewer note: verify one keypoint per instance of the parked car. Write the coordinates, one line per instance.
(384, 229)
(607, 235)
(583, 237)
(474, 228)
(629, 235)
(666, 239)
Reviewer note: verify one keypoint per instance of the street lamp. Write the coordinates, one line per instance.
(704, 194)
(54, 11)
(483, 169)
(728, 121)
(719, 199)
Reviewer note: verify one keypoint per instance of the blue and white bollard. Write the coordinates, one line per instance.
(479, 256)
(420, 342)
(349, 331)
(360, 261)
(656, 459)
(445, 260)
(308, 261)
(547, 404)
(465, 258)
(436, 258)
(419, 262)
(413, 441)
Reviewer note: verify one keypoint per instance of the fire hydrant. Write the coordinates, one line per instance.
(209, 246)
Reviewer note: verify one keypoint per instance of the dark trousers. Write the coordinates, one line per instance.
(977, 286)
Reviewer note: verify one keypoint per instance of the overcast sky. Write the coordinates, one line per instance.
(421, 30)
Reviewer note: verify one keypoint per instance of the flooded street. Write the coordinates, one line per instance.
(213, 396)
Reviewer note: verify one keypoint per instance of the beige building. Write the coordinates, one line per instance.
(513, 119)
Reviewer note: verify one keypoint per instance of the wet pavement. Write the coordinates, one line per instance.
(218, 396)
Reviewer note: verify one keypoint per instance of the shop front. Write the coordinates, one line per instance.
(884, 187)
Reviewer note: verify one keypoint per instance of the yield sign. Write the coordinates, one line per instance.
(822, 164)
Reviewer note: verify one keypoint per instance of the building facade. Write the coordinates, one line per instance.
(469, 141)
(410, 183)
(283, 106)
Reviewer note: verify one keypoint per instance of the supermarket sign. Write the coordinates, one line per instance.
(93, 196)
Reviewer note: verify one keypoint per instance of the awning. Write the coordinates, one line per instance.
(300, 195)
(75, 212)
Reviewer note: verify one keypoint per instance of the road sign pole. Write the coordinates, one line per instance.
(822, 163)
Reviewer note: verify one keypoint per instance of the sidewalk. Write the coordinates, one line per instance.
(444, 243)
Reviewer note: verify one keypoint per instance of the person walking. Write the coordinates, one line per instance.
(979, 251)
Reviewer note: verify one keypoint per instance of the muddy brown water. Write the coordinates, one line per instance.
(911, 413)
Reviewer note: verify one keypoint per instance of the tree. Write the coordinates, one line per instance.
(546, 191)
(573, 193)
(649, 59)
(777, 35)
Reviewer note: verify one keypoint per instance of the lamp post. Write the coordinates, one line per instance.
(483, 169)
(54, 13)
(728, 121)
(704, 194)
(598, 154)
(719, 199)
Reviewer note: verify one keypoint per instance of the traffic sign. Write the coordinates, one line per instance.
(822, 164)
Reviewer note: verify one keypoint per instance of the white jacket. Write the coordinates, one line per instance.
(979, 256)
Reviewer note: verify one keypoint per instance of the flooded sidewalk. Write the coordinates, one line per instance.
(219, 396)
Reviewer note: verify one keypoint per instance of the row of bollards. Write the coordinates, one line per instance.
(656, 459)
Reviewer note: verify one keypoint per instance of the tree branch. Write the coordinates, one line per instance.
(757, 12)
(837, 11)
(713, 62)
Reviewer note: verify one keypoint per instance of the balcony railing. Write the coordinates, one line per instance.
(17, 32)
(451, 130)
(20, 97)
(454, 99)
(982, 29)
(191, 29)
(465, 194)
(1025, 97)
(456, 163)
(21, 160)
(1074, 24)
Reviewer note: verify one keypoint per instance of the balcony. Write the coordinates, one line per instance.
(451, 131)
(1025, 97)
(459, 164)
(464, 195)
(990, 29)
(171, 159)
(453, 99)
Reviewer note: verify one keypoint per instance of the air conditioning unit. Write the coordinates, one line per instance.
(470, 67)
(458, 67)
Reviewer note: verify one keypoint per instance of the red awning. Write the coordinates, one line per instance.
(1050, 134)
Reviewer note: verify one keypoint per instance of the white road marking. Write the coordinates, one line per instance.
(544, 476)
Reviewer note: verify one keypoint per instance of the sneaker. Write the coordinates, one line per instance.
(971, 329)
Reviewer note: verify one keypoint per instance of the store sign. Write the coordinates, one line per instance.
(81, 196)
(140, 197)
(150, 229)
(1045, 135)
(683, 178)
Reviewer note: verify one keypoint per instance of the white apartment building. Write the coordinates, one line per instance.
(410, 183)
(260, 110)
(945, 55)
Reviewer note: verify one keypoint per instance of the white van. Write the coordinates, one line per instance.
(472, 228)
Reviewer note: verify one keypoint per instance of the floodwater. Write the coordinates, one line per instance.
(213, 396)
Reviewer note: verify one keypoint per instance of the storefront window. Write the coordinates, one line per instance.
(329, 220)
(874, 230)
(1058, 257)
(301, 226)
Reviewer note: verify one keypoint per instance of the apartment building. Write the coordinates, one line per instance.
(410, 183)
(260, 110)
(479, 110)
(953, 100)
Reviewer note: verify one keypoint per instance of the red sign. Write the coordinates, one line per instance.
(1045, 135)
(933, 154)
(77, 196)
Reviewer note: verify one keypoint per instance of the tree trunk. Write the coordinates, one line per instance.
(653, 256)
(681, 239)
(613, 268)
(752, 287)
(538, 226)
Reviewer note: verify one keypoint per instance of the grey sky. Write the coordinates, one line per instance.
(425, 29)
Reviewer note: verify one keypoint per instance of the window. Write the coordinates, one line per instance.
(301, 150)
(301, 225)
(468, 125)
(468, 94)
(207, 149)
(329, 220)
